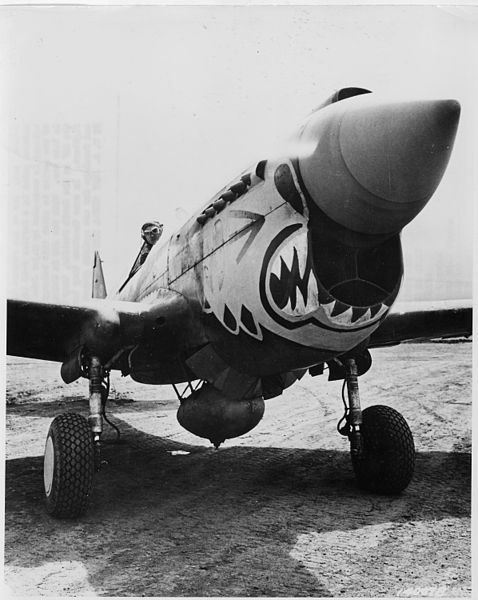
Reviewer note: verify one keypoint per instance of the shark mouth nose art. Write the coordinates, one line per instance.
(294, 294)
(293, 287)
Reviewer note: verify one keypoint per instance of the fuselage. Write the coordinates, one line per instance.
(299, 259)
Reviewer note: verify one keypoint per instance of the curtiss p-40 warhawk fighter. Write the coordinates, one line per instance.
(293, 266)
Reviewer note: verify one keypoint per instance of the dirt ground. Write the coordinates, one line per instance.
(274, 513)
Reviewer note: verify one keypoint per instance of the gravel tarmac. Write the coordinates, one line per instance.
(273, 513)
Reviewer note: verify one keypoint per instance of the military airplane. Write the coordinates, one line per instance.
(292, 267)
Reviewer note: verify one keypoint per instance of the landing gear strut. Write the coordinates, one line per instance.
(381, 443)
(95, 418)
(354, 418)
(72, 450)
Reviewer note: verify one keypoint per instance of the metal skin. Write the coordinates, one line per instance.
(296, 263)
(257, 264)
(209, 414)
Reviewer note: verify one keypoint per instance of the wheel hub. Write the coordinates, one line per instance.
(48, 465)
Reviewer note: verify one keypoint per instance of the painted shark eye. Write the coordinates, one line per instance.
(286, 187)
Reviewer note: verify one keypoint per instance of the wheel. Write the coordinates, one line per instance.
(387, 460)
(68, 466)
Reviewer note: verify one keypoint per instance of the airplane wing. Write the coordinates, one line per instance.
(58, 332)
(424, 321)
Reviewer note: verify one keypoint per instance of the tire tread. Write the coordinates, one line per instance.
(74, 466)
(388, 458)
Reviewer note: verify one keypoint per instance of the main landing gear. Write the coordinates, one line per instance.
(381, 443)
(72, 450)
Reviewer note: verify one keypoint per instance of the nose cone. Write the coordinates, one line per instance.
(375, 167)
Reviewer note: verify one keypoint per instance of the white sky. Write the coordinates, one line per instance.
(183, 98)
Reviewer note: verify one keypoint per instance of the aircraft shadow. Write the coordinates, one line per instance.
(201, 522)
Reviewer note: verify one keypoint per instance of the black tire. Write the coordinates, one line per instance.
(387, 460)
(68, 466)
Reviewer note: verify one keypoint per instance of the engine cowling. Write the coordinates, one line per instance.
(210, 414)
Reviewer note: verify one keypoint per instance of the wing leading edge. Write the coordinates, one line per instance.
(58, 332)
(424, 321)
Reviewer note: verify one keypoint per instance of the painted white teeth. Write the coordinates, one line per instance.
(296, 252)
(297, 246)
(285, 255)
(288, 255)
(302, 254)
(344, 318)
(301, 307)
(312, 293)
(329, 307)
(302, 261)
(364, 317)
